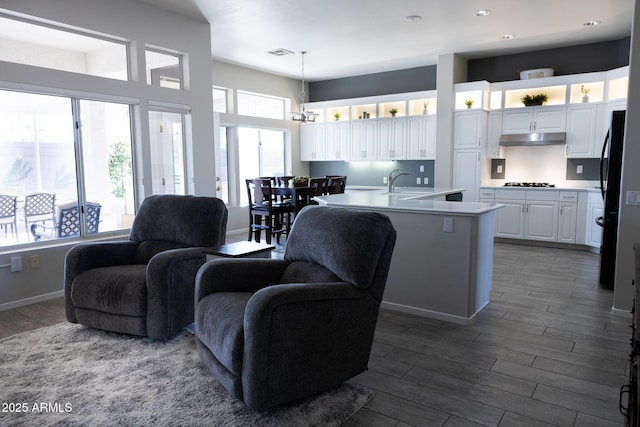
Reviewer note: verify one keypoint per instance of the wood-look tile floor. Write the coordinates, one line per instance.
(545, 351)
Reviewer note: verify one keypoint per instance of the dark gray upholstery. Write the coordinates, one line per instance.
(145, 285)
(277, 330)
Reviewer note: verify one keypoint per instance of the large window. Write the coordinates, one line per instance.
(42, 153)
(60, 49)
(260, 153)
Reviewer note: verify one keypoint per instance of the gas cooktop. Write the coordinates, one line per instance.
(530, 184)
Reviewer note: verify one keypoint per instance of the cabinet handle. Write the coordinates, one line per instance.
(560, 210)
(527, 205)
(522, 207)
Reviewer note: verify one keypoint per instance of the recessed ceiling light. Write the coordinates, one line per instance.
(591, 23)
(482, 12)
(412, 18)
(507, 36)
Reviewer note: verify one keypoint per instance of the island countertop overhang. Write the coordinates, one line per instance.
(421, 201)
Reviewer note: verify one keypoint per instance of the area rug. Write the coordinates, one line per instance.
(69, 375)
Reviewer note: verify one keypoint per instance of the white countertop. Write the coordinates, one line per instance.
(502, 187)
(408, 199)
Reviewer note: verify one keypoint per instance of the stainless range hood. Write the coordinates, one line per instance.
(535, 138)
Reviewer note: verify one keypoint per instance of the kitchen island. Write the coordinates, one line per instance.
(442, 265)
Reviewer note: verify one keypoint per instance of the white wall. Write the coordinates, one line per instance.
(142, 25)
(629, 219)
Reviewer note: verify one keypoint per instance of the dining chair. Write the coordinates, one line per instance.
(8, 208)
(319, 187)
(265, 213)
(39, 208)
(285, 180)
(337, 184)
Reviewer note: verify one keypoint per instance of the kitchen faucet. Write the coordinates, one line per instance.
(393, 175)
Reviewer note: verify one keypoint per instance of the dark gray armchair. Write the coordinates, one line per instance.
(145, 285)
(277, 330)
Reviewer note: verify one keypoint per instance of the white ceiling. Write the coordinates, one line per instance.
(354, 37)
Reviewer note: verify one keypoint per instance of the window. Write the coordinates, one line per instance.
(167, 152)
(261, 153)
(257, 105)
(39, 45)
(219, 100)
(222, 166)
(163, 69)
(41, 153)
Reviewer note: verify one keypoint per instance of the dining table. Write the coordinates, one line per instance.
(299, 197)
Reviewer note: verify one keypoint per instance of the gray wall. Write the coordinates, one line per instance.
(566, 60)
(400, 81)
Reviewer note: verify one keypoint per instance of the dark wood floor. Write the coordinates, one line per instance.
(545, 351)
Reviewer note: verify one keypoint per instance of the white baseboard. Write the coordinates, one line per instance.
(621, 313)
(31, 300)
(430, 313)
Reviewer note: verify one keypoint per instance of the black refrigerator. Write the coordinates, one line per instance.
(610, 173)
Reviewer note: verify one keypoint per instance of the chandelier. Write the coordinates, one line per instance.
(303, 116)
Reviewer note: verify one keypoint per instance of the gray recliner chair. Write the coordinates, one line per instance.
(145, 285)
(278, 330)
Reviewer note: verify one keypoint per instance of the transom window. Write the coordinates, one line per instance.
(40, 45)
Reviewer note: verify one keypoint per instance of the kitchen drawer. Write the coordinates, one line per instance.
(569, 196)
(543, 195)
(503, 193)
(487, 193)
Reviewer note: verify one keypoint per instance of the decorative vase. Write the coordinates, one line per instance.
(425, 112)
(585, 98)
(393, 114)
(469, 106)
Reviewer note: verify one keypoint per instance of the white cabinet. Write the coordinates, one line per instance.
(421, 137)
(541, 220)
(510, 219)
(468, 129)
(582, 120)
(534, 119)
(337, 140)
(604, 123)
(392, 138)
(494, 130)
(531, 215)
(595, 210)
(466, 173)
(568, 217)
(364, 138)
(312, 142)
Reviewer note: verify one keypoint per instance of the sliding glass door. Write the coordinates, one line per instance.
(57, 154)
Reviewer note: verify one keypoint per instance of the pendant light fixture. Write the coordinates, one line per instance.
(303, 116)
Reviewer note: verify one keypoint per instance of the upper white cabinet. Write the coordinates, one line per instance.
(392, 138)
(534, 119)
(312, 142)
(371, 128)
(421, 137)
(468, 129)
(337, 136)
(582, 120)
(364, 139)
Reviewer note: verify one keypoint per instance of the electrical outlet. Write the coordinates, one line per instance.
(16, 263)
(384, 179)
(499, 169)
(579, 169)
(426, 180)
(447, 225)
(418, 181)
(34, 261)
(421, 168)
